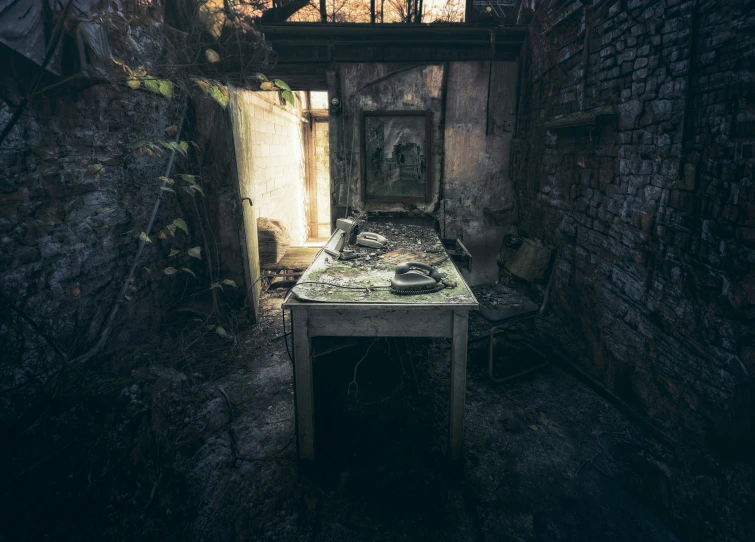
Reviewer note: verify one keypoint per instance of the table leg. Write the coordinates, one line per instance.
(304, 396)
(458, 383)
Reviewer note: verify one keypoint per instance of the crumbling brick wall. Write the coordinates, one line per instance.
(653, 213)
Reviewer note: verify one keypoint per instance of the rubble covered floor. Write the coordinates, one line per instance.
(545, 457)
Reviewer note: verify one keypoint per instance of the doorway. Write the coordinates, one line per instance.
(317, 167)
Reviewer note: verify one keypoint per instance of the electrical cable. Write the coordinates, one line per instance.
(285, 337)
(356, 368)
(371, 287)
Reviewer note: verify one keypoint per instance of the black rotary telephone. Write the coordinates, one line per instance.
(416, 278)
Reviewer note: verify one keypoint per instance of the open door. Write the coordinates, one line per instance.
(318, 167)
(242, 139)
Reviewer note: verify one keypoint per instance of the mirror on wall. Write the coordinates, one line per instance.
(395, 161)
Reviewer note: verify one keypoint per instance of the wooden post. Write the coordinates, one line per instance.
(323, 12)
(458, 383)
(372, 11)
(304, 395)
(469, 11)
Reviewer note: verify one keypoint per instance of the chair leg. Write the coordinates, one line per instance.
(491, 367)
(491, 357)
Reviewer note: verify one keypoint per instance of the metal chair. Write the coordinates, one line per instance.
(515, 307)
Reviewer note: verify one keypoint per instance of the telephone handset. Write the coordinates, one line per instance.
(424, 268)
(416, 278)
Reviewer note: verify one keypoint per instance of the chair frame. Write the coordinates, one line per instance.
(497, 328)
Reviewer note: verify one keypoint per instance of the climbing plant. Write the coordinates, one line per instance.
(214, 45)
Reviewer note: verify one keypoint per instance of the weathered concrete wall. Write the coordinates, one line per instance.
(653, 215)
(277, 160)
(470, 143)
(476, 154)
(382, 87)
(216, 163)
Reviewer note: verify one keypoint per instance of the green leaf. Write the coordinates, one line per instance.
(189, 271)
(211, 55)
(166, 180)
(261, 76)
(193, 188)
(144, 237)
(166, 189)
(159, 86)
(223, 333)
(289, 97)
(229, 282)
(281, 84)
(166, 89)
(182, 147)
(170, 270)
(173, 252)
(171, 229)
(214, 90)
(152, 85)
(132, 82)
(215, 285)
(195, 252)
(96, 168)
(189, 178)
(181, 223)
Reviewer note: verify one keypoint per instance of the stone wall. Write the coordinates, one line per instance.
(75, 196)
(652, 213)
(76, 192)
(277, 161)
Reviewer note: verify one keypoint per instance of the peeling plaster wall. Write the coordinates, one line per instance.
(371, 87)
(477, 163)
(470, 143)
(216, 163)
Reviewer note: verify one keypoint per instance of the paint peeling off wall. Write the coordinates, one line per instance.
(476, 102)
(477, 143)
(383, 87)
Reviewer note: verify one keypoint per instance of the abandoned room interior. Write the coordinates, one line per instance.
(327, 270)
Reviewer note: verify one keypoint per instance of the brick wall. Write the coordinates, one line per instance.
(276, 180)
(653, 213)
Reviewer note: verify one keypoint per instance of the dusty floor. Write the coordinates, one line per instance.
(544, 456)
(203, 449)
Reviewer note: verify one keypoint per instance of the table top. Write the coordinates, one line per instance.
(319, 285)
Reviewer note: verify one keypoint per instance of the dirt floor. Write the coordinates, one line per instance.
(543, 455)
(205, 450)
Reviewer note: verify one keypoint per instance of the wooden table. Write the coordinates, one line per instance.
(318, 309)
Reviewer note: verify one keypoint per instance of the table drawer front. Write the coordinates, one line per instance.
(380, 323)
